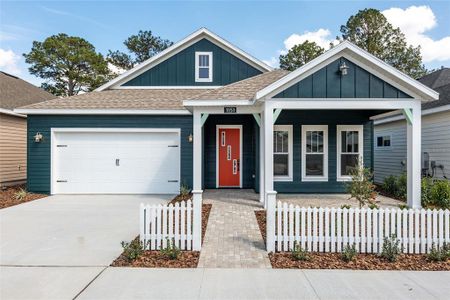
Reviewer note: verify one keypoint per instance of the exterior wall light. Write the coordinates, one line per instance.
(190, 138)
(38, 137)
(343, 68)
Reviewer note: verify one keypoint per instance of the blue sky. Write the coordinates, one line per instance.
(264, 29)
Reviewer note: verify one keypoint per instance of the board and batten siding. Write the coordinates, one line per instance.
(179, 70)
(38, 157)
(435, 141)
(13, 149)
(298, 118)
(329, 83)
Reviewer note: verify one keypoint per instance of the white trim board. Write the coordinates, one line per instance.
(168, 87)
(180, 46)
(362, 59)
(11, 113)
(241, 169)
(399, 116)
(29, 111)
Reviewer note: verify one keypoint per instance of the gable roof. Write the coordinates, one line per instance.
(179, 46)
(15, 92)
(361, 58)
(242, 90)
(135, 99)
(437, 78)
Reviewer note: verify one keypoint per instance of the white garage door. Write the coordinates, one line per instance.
(110, 162)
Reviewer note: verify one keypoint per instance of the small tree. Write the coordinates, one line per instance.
(361, 186)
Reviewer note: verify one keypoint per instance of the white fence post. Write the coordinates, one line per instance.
(197, 220)
(270, 221)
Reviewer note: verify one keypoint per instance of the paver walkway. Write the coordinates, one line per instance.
(233, 239)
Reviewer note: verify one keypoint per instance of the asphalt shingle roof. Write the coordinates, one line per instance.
(122, 99)
(15, 92)
(242, 90)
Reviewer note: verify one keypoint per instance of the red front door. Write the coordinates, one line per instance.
(229, 143)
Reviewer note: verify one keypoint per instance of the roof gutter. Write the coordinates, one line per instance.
(11, 113)
(26, 111)
(397, 116)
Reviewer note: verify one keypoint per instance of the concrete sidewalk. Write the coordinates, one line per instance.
(124, 283)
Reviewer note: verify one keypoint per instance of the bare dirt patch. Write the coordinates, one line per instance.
(8, 196)
(155, 259)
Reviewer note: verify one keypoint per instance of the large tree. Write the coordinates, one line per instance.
(141, 46)
(370, 30)
(69, 65)
(299, 55)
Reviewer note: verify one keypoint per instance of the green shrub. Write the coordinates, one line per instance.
(391, 248)
(347, 206)
(184, 189)
(426, 185)
(349, 253)
(440, 194)
(170, 251)
(401, 186)
(132, 250)
(403, 206)
(373, 206)
(361, 186)
(439, 253)
(20, 194)
(299, 254)
(390, 185)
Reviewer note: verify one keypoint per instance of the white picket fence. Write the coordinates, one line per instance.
(331, 229)
(177, 223)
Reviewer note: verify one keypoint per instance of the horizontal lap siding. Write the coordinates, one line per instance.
(39, 153)
(330, 118)
(13, 148)
(435, 141)
(329, 83)
(179, 70)
(248, 148)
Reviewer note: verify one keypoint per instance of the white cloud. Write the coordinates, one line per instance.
(273, 62)
(414, 22)
(322, 37)
(9, 62)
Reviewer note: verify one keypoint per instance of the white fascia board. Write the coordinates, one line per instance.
(216, 102)
(11, 113)
(352, 52)
(382, 119)
(178, 47)
(102, 112)
(165, 87)
(343, 103)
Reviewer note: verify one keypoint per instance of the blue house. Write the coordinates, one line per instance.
(205, 114)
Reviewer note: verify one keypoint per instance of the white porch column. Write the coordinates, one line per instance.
(262, 191)
(268, 148)
(414, 146)
(197, 184)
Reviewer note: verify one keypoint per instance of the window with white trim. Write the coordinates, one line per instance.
(203, 66)
(282, 152)
(314, 153)
(349, 150)
(383, 141)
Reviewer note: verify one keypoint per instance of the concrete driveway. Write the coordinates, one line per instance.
(70, 230)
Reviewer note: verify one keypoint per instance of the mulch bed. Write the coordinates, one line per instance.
(379, 189)
(412, 262)
(154, 259)
(7, 196)
(180, 197)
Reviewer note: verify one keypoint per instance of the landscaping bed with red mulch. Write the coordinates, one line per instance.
(411, 262)
(180, 197)
(156, 259)
(8, 196)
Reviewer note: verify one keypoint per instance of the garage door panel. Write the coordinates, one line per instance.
(147, 162)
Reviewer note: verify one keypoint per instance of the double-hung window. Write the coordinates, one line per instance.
(349, 150)
(203, 66)
(282, 152)
(314, 153)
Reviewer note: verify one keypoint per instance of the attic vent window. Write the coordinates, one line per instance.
(203, 66)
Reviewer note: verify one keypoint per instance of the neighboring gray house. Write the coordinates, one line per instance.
(390, 134)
